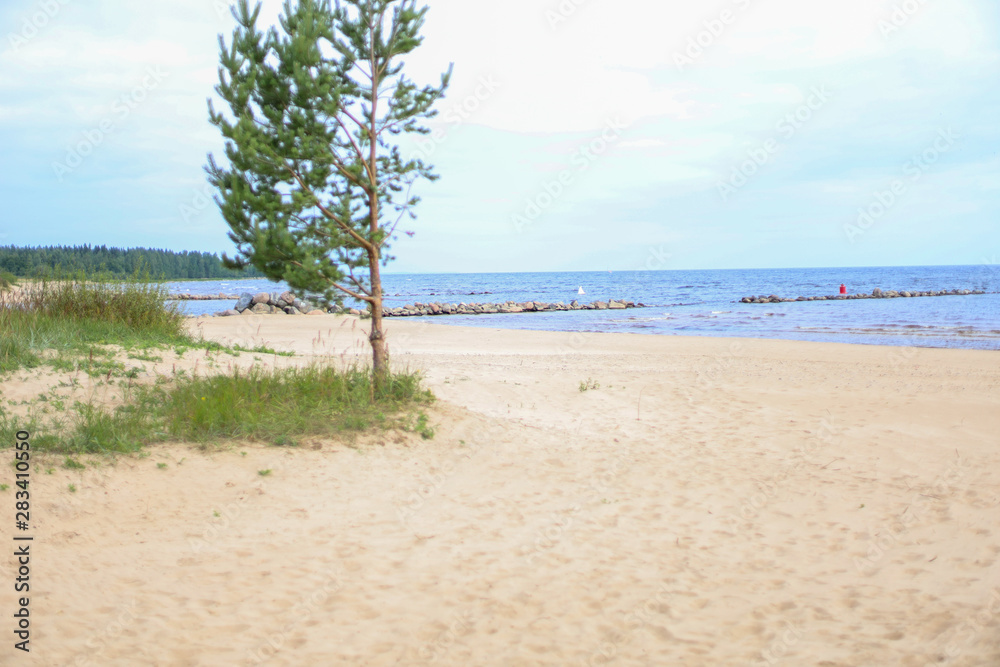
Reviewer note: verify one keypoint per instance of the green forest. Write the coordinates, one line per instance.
(30, 262)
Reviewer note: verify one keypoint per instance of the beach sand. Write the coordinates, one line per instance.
(712, 502)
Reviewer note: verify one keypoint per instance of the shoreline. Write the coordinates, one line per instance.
(421, 321)
(548, 342)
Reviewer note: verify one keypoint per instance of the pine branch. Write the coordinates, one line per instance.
(362, 241)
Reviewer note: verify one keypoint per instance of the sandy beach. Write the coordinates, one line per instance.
(706, 501)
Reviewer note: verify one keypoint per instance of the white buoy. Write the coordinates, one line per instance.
(580, 291)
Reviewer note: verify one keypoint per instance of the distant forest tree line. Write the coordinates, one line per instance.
(118, 262)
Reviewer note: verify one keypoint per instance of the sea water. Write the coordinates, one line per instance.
(707, 303)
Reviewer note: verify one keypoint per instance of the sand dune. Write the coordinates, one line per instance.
(712, 502)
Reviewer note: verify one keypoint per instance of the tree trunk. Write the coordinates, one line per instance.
(380, 353)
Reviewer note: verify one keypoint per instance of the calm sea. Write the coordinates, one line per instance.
(706, 303)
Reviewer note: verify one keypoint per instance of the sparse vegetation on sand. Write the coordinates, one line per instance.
(274, 406)
(82, 324)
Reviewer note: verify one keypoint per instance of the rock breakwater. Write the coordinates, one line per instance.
(419, 309)
(287, 303)
(876, 294)
(221, 296)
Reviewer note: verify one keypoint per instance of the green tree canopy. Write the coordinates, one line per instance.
(117, 262)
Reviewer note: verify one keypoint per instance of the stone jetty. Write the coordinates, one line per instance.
(287, 303)
(221, 296)
(876, 294)
(418, 309)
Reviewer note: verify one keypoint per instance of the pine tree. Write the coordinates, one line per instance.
(315, 187)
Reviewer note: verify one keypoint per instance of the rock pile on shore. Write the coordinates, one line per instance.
(287, 303)
(263, 303)
(876, 294)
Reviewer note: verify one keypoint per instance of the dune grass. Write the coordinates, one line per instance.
(7, 281)
(270, 405)
(73, 314)
(135, 303)
(274, 406)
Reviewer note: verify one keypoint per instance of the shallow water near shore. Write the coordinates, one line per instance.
(706, 303)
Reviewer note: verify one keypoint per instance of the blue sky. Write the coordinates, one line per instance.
(577, 135)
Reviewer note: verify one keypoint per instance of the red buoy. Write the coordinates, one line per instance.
(843, 289)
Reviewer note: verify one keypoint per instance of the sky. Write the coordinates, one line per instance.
(575, 135)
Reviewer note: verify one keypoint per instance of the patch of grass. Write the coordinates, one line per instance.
(423, 426)
(3, 487)
(15, 353)
(126, 429)
(588, 384)
(93, 365)
(276, 406)
(41, 438)
(72, 488)
(135, 303)
(262, 349)
(201, 344)
(161, 466)
(75, 315)
(144, 356)
(73, 464)
(267, 405)
(7, 281)
(264, 473)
